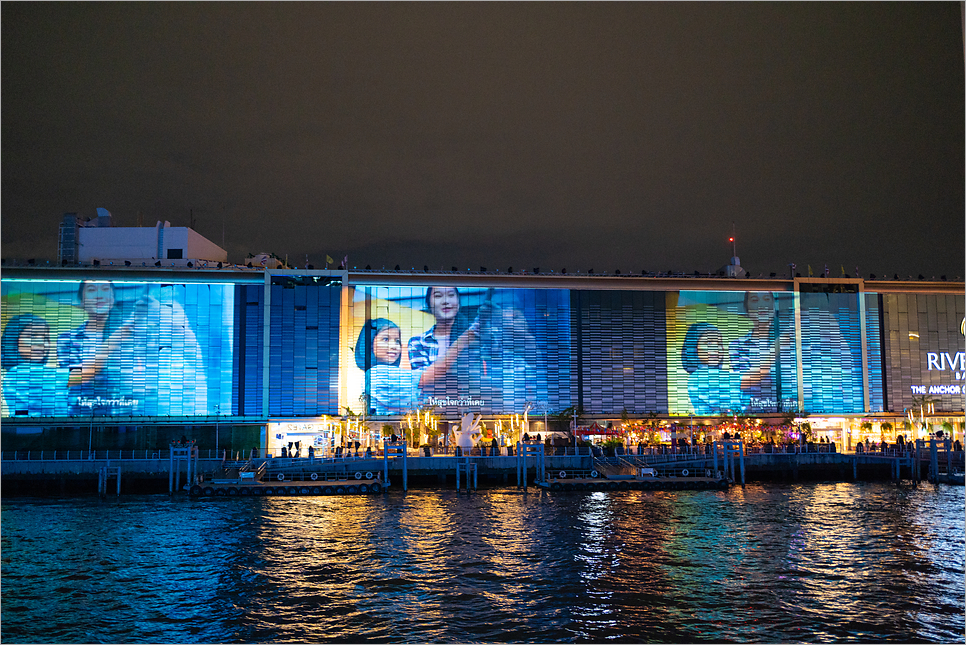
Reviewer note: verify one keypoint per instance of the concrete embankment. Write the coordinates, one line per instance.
(80, 477)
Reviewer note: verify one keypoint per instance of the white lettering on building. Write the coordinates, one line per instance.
(937, 389)
(939, 361)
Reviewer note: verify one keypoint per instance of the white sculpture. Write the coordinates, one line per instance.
(469, 433)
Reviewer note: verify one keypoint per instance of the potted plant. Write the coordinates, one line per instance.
(887, 428)
(611, 445)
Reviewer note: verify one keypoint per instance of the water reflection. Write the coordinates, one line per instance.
(826, 562)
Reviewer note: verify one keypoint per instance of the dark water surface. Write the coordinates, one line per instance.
(862, 562)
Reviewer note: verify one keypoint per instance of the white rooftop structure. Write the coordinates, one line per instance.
(98, 240)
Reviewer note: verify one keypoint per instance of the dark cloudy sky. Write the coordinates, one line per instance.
(570, 135)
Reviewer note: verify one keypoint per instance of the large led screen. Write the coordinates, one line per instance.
(733, 352)
(116, 348)
(458, 349)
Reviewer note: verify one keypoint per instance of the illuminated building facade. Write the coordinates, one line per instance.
(265, 355)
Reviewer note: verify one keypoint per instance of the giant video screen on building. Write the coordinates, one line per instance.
(457, 349)
(99, 348)
(751, 352)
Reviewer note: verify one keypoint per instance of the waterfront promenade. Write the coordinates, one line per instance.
(59, 472)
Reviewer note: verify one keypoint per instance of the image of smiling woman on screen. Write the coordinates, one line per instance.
(451, 324)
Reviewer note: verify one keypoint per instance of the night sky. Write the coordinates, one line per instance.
(578, 136)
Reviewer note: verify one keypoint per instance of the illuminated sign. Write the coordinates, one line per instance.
(940, 360)
(943, 361)
(924, 349)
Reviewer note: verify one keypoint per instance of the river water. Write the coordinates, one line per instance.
(817, 562)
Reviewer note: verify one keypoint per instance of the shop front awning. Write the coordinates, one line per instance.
(596, 429)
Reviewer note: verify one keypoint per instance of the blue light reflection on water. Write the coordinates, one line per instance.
(764, 563)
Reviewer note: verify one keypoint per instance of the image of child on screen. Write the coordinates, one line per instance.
(393, 389)
(712, 388)
(765, 356)
(32, 386)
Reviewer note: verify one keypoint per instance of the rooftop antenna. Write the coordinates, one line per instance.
(734, 246)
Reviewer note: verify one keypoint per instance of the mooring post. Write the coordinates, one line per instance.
(170, 471)
(855, 467)
(714, 453)
(474, 475)
(405, 449)
(741, 459)
(933, 460)
(118, 481)
(948, 447)
(457, 474)
(543, 465)
(920, 446)
(191, 466)
(914, 461)
(519, 483)
(385, 461)
(523, 457)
